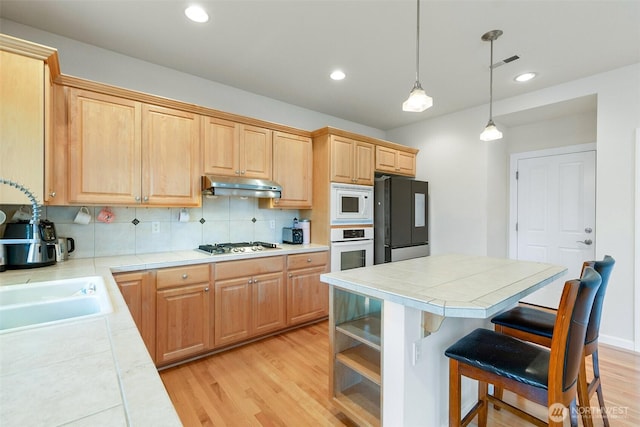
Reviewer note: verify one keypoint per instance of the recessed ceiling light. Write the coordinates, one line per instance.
(525, 77)
(196, 14)
(338, 75)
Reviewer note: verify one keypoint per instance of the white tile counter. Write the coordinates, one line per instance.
(94, 371)
(450, 285)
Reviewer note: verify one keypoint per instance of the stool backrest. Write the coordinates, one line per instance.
(570, 330)
(603, 268)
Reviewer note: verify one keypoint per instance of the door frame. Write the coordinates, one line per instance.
(636, 287)
(513, 184)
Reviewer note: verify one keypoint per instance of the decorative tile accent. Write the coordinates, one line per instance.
(202, 221)
(253, 220)
(135, 221)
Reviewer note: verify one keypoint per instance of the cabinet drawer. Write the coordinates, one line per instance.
(178, 276)
(311, 259)
(248, 267)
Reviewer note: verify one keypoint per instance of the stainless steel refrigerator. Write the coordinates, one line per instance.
(401, 226)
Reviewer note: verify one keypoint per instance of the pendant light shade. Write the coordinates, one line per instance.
(418, 100)
(491, 132)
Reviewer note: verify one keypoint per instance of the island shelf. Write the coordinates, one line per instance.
(356, 340)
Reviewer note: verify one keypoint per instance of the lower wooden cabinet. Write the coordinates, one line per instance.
(183, 312)
(307, 297)
(249, 299)
(138, 289)
(183, 307)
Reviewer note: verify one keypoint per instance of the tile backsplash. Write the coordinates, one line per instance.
(220, 219)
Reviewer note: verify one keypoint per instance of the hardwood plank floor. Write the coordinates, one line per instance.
(282, 381)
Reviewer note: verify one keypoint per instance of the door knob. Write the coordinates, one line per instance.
(586, 242)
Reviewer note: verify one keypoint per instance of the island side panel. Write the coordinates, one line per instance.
(418, 394)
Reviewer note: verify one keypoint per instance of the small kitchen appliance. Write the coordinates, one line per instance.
(64, 246)
(292, 235)
(39, 252)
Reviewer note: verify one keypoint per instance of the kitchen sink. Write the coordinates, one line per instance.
(40, 303)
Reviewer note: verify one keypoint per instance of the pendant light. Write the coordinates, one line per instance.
(491, 132)
(418, 100)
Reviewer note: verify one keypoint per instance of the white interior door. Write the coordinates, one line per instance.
(556, 216)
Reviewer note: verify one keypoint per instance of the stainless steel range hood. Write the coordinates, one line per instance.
(240, 186)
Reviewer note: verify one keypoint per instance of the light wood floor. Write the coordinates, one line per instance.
(282, 381)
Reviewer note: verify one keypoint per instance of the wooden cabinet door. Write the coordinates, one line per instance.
(268, 303)
(342, 158)
(138, 291)
(221, 147)
(183, 319)
(22, 129)
(232, 311)
(406, 163)
(307, 296)
(293, 170)
(363, 163)
(171, 147)
(386, 159)
(104, 149)
(255, 152)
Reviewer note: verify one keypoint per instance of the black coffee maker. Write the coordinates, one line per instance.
(39, 252)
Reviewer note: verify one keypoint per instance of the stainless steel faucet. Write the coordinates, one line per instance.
(35, 216)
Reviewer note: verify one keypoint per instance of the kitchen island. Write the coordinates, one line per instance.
(390, 324)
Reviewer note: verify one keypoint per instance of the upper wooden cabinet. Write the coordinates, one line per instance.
(25, 99)
(293, 170)
(126, 152)
(351, 161)
(236, 149)
(395, 161)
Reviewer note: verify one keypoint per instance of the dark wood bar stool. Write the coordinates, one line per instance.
(545, 376)
(535, 325)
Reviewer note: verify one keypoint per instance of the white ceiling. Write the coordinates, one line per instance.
(285, 49)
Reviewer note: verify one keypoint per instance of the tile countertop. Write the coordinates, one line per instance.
(94, 371)
(450, 285)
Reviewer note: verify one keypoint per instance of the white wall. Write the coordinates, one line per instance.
(90, 62)
(468, 180)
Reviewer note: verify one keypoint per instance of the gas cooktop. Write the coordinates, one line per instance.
(236, 248)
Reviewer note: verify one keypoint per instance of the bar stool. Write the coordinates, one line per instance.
(534, 325)
(544, 376)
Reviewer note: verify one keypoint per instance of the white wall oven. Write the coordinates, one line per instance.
(351, 204)
(351, 248)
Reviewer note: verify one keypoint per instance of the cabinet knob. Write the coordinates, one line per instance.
(237, 172)
(52, 194)
(290, 275)
(250, 281)
(185, 275)
(137, 198)
(146, 198)
(308, 259)
(255, 281)
(206, 289)
(242, 172)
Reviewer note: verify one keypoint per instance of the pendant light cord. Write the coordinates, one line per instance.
(491, 84)
(418, 41)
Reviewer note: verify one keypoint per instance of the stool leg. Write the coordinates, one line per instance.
(583, 395)
(596, 377)
(454, 394)
(497, 391)
(483, 390)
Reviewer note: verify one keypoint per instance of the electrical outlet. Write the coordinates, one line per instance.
(155, 227)
(272, 224)
(416, 352)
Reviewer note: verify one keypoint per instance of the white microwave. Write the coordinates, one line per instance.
(351, 204)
